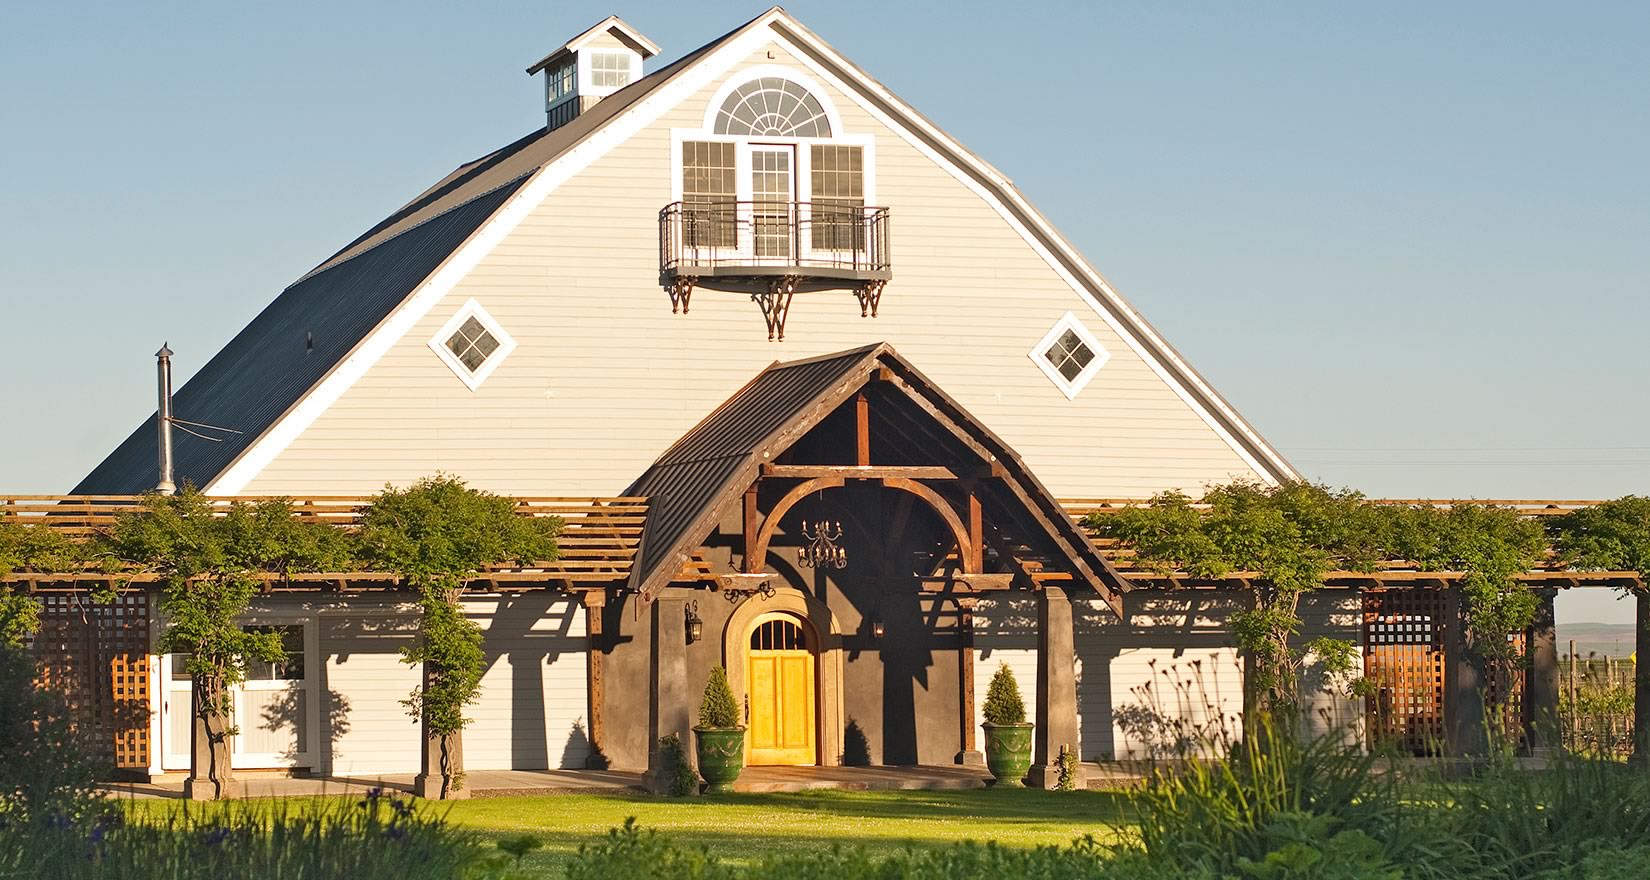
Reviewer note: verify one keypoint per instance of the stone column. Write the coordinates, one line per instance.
(670, 707)
(1541, 681)
(211, 773)
(970, 755)
(1464, 717)
(441, 758)
(1056, 690)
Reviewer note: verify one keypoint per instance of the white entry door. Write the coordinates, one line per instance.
(276, 708)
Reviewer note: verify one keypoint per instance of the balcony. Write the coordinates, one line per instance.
(773, 250)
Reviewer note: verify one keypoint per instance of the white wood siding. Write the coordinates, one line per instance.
(531, 715)
(368, 729)
(1333, 614)
(605, 377)
(1172, 659)
(1005, 633)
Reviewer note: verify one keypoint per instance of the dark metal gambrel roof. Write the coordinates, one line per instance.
(273, 362)
(700, 479)
(264, 370)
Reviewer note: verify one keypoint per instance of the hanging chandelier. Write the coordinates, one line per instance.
(822, 549)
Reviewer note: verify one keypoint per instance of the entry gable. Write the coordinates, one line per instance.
(924, 443)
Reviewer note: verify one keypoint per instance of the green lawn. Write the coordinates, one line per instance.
(740, 828)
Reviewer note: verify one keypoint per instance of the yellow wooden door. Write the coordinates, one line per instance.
(781, 683)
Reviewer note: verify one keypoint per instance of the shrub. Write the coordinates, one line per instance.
(46, 774)
(1002, 699)
(683, 780)
(719, 709)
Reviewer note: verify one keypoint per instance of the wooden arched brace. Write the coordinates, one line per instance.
(756, 556)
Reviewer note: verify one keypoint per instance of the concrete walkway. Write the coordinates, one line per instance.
(518, 783)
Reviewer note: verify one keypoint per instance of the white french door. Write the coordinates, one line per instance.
(275, 709)
(771, 218)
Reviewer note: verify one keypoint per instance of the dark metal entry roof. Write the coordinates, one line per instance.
(700, 479)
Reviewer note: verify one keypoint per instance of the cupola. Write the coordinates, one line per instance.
(591, 66)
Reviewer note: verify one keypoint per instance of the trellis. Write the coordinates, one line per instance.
(96, 655)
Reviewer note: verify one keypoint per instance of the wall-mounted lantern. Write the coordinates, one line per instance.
(877, 628)
(692, 623)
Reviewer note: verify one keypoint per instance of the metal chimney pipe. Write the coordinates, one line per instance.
(163, 419)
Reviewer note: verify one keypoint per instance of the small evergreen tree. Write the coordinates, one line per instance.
(1002, 700)
(719, 709)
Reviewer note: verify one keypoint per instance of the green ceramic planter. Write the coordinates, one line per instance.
(721, 756)
(1008, 753)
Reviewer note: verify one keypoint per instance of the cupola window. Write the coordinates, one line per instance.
(609, 70)
(772, 107)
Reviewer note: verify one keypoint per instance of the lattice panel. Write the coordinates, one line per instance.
(1404, 660)
(97, 657)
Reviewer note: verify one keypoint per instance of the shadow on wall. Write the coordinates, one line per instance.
(531, 631)
(289, 712)
(856, 749)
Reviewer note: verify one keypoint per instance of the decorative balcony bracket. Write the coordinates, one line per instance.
(870, 296)
(680, 289)
(775, 303)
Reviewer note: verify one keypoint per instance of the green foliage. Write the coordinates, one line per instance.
(683, 780)
(45, 773)
(379, 837)
(1068, 769)
(1288, 536)
(211, 565)
(434, 535)
(28, 547)
(629, 852)
(1612, 536)
(1003, 704)
(719, 708)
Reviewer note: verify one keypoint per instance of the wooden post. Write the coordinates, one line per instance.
(975, 564)
(970, 755)
(595, 603)
(862, 430)
(1641, 681)
(1541, 685)
(753, 524)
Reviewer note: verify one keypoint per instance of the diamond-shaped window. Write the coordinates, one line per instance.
(472, 344)
(1070, 355)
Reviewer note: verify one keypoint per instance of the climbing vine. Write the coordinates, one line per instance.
(434, 535)
(1289, 537)
(1611, 536)
(212, 563)
(26, 547)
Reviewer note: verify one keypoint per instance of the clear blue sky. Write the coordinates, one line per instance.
(1410, 241)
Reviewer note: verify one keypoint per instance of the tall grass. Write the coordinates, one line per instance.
(379, 836)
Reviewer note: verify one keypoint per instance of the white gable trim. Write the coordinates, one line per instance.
(1134, 332)
(291, 424)
(697, 76)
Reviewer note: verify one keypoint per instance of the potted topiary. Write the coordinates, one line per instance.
(721, 738)
(1007, 734)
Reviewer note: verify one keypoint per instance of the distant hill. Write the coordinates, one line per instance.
(1604, 639)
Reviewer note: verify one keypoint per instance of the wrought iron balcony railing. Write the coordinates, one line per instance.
(757, 239)
(774, 249)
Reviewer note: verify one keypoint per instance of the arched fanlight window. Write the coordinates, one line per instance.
(772, 107)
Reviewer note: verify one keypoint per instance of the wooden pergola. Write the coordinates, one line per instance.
(600, 543)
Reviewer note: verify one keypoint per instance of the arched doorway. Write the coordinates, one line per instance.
(780, 659)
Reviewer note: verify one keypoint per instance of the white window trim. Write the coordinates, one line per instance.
(438, 344)
(1072, 387)
(586, 63)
